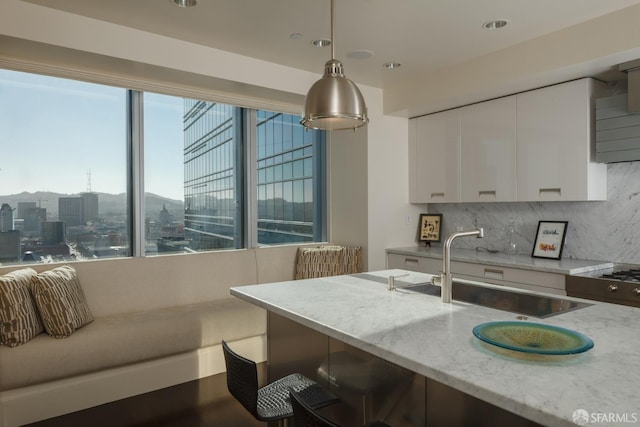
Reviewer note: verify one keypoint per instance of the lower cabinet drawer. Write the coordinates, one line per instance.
(414, 263)
(540, 281)
(536, 280)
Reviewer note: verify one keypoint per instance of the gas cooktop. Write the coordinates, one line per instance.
(619, 285)
(631, 275)
(622, 272)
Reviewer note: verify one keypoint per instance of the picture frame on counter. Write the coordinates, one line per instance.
(430, 228)
(550, 238)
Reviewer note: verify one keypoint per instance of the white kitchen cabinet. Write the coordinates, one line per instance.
(539, 281)
(488, 151)
(533, 146)
(434, 158)
(556, 155)
(414, 263)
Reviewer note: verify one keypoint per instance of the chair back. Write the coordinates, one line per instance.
(242, 379)
(305, 416)
(329, 260)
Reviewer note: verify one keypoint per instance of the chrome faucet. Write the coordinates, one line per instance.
(446, 277)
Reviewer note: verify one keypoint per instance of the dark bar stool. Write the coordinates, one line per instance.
(271, 402)
(306, 416)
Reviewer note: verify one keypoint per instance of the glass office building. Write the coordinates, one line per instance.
(212, 178)
(288, 176)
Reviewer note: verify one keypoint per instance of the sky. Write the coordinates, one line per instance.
(55, 133)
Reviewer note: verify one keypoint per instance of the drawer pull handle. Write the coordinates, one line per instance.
(493, 273)
(437, 195)
(541, 191)
(487, 193)
(636, 292)
(612, 288)
(411, 262)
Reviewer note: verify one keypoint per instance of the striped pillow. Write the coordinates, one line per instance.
(19, 320)
(61, 301)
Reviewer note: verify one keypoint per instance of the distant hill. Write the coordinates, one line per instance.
(109, 204)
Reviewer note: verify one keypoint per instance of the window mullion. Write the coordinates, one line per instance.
(320, 187)
(135, 137)
(251, 182)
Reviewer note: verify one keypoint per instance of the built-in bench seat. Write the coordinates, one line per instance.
(124, 339)
(159, 321)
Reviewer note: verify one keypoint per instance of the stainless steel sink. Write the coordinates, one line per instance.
(522, 303)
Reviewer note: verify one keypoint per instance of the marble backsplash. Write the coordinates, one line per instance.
(607, 231)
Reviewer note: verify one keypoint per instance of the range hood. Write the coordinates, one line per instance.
(618, 121)
(632, 68)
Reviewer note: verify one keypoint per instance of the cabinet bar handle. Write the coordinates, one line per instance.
(437, 195)
(550, 190)
(487, 193)
(411, 262)
(493, 273)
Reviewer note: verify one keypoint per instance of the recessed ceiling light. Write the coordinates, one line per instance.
(391, 65)
(321, 43)
(360, 54)
(184, 3)
(295, 36)
(495, 25)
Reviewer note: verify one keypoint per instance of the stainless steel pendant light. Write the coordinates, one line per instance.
(334, 102)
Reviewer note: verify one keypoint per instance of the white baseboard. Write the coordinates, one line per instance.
(55, 398)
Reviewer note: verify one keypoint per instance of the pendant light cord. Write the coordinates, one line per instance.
(333, 49)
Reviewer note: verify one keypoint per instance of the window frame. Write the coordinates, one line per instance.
(246, 161)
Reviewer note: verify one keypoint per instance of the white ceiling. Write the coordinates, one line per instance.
(423, 35)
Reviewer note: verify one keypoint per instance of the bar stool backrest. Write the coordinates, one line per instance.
(242, 379)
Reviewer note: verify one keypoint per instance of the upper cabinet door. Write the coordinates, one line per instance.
(556, 156)
(488, 153)
(434, 158)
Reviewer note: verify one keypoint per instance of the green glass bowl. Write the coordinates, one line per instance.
(535, 338)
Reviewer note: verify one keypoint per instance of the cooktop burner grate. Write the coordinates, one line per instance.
(632, 275)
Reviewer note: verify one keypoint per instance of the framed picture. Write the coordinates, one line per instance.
(430, 227)
(550, 239)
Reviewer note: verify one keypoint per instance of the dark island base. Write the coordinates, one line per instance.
(372, 388)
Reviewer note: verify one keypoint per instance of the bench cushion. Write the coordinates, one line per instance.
(118, 340)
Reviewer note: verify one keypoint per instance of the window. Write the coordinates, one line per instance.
(63, 170)
(215, 143)
(214, 176)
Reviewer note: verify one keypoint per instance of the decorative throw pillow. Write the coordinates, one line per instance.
(19, 320)
(61, 301)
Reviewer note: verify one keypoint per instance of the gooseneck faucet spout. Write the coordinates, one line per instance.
(446, 280)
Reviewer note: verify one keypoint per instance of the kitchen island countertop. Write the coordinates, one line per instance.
(433, 339)
(524, 262)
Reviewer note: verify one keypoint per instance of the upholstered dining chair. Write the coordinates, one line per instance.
(327, 260)
(270, 402)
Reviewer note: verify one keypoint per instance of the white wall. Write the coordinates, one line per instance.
(369, 177)
(392, 220)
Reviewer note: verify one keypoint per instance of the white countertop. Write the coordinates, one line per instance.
(433, 339)
(525, 262)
